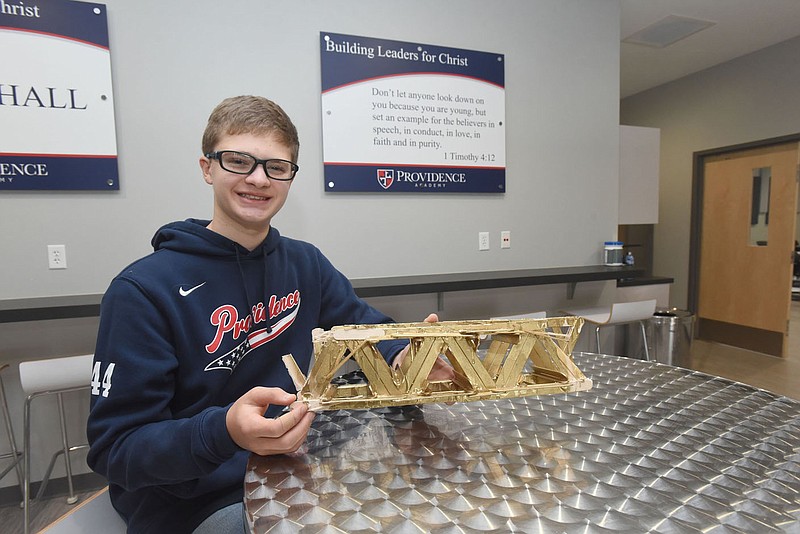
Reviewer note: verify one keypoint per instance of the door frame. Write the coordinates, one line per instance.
(698, 184)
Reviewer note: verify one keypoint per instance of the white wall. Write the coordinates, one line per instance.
(168, 65)
(747, 99)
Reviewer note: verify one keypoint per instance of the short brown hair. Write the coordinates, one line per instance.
(250, 115)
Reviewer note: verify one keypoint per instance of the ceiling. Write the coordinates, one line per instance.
(741, 27)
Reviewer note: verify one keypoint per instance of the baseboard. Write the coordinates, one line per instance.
(745, 337)
(57, 486)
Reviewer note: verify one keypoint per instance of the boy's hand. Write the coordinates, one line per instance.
(252, 431)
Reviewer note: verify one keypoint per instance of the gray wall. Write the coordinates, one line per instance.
(747, 99)
(168, 58)
(168, 66)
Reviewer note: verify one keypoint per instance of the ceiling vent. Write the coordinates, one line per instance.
(667, 31)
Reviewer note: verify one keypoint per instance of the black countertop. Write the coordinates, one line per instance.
(73, 306)
(442, 283)
(644, 281)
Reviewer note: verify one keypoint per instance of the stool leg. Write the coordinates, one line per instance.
(12, 442)
(26, 470)
(644, 341)
(72, 499)
(597, 337)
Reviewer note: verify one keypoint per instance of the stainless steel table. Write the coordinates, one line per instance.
(651, 448)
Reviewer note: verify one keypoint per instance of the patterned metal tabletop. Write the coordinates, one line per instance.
(651, 448)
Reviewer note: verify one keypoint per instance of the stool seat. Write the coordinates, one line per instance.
(530, 315)
(53, 376)
(592, 315)
(616, 314)
(39, 376)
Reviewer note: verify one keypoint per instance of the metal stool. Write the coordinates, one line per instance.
(51, 377)
(618, 313)
(14, 454)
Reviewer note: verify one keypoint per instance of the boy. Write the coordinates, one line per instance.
(190, 335)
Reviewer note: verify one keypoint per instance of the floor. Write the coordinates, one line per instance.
(42, 513)
(779, 375)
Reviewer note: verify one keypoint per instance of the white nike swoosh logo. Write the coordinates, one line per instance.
(186, 292)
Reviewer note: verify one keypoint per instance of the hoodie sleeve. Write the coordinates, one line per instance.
(135, 439)
(341, 305)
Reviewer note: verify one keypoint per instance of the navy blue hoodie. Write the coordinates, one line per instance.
(184, 332)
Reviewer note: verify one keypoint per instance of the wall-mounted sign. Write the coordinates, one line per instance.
(409, 117)
(56, 103)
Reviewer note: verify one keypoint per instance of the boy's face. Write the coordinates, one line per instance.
(245, 204)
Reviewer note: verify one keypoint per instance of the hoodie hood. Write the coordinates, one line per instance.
(192, 236)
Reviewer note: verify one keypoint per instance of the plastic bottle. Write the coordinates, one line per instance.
(612, 253)
(629, 260)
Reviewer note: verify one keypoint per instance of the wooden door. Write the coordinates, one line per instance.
(746, 255)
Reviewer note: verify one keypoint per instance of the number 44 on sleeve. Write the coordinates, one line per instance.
(106, 382)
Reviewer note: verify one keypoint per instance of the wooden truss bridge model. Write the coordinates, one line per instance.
(524, 357)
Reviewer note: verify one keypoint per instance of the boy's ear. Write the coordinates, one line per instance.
(205, 167)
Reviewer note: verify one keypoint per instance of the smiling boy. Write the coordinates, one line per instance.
(191, 337)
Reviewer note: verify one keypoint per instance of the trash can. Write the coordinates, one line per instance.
(670, 334)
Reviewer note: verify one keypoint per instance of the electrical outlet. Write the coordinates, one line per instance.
(57, 256)
(483, 240)
(505, 239)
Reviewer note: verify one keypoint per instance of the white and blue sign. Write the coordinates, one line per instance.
(56, 102)
(410, 117)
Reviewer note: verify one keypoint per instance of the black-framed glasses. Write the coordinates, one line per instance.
(244, 163)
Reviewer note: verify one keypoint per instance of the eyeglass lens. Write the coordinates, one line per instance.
(241, 163)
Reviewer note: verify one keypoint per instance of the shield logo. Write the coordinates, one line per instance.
(385, 177)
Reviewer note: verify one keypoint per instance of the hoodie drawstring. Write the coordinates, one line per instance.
(250, 304)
